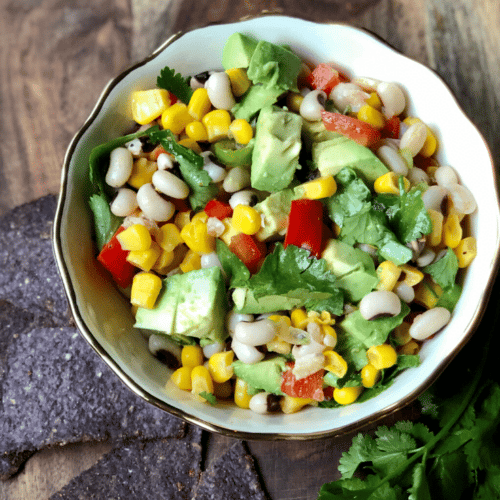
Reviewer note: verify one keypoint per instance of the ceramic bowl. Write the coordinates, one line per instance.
(103, 315)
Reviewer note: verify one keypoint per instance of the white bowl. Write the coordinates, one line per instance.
(103, 315)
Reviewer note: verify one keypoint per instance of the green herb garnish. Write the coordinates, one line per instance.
(174, 83)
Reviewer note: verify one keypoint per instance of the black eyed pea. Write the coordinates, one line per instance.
(219, 91)
(167, 351)
(368, 84)
(426, 257)
(379, 304)
(312, 105)
(210, 260)
(246, 197)
(120, 167)
(312, 347)
(211, 349)
(405, 292)
(216, 172)
(255, 333)
(445, 176)
(237, 179)
(170, 185)
(393, 99)
(417, 175)
(413, 138)
(430, 322)
(393, 160)
(463, 200)
(153, 205)
(348, 95)
(433, 197)
(233, 318)
(134, 146)
(124, 203)
(198, 81)
(164, 161)
(265, 402)
(246, 353)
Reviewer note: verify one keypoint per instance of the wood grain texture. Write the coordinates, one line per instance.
(56, 57)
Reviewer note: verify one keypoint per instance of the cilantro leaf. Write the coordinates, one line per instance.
(105, 222)
(209, 397)
(236, 272)
(444, 271)
(174, 83)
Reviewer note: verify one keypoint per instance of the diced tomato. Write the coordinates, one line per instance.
(323, 77)
(218, 209)
(173, 98)
(114, 259)
(157, 151)
(391, 128)
(308, 387)
(355, 129)
(305, 226)
(249, 250)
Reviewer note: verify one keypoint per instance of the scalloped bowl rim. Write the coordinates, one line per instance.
(107, 326)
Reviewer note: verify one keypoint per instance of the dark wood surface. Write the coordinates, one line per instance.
(56, 57)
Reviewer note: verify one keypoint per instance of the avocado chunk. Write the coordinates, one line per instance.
(276, 151)
(315, 131)
(354, 269)
(262, 376)
(227, 153)
(275, 209)
(238, 51)
(255, 98)
(193, 304)
(332, 155)
(274, 66)
(246, 303)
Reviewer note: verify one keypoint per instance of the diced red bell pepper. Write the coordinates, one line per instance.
(305, 226)
(310, 387)
(249, 250)
(391, 128)
(218, 209)
(114, 259)
(157, 151)
(323, 77)
(355, 129)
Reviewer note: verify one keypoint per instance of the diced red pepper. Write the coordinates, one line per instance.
(218, 209)
(249, 250)
(323, 77)
(310, 387)
(355, 129)
(391, 128)
(114, 259)
(157, 151)
(305, 226)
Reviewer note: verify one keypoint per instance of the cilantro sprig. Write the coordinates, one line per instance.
(175, 83)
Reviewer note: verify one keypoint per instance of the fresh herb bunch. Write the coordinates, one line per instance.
(451, 453)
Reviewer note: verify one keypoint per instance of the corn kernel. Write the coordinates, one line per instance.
(290, 404)
(217, 123)
(145, 259)
(145, 290)
(435, 237)
(147, 105)
(142, 172)
(196, 237)
(299, 318)
(346, 395)
(372, 116)
(199, 104)
(430, 144)
(401, 334)
(200, 216)
(411, 347)
(191, 355)
(279, 346)
(229, 231)
(427, 293)
(219, 366)
(369, 375)
(176, 117)
(466, 251)
(412, 275)
(201, 382)
(330, 336)
(182, 218)
(241, 131)
(382, 356)
(278, 318)
(452, 231)
(389, 183)
(189, 143)
(374, 101)
(136, 237)
(388, 274)
(197, 131)
(335, 363)
(182, 378)
(246, 219)
(241, 396)
(323, 187)
(169, 237)
(293, 101)
(450, 209)
(240, 82)
(163, 262)
(191, 262)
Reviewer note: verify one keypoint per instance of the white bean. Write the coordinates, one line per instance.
(237, 178)
(211, 349)
(426, 257)
(413, 139)
(154, 206)
(216, 172)
(417, 175)
(366, 83)
(215, 227)
(164, 161)
(246, 197)
(308, 364)
(463, 200)
(445, 176)
(433, 197)
(430, 322)
(392, 97)
(210, 260)
(246, 353)
(124, 203)
(312, 105)
(405, 292)
(134, 146)
(219, 91)
(264, 402)
(392, 159)
(233, 318)
(120, 167)
(255, 333)
(313, 347)
(379, 303)
(165, 349)
(169, 184)
(348, 95)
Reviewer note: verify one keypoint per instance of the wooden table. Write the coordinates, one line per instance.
(56, 57)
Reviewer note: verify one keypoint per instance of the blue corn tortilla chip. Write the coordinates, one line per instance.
(29, 277)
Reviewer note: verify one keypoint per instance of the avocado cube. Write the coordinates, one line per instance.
(238, 51)
(263, 375)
